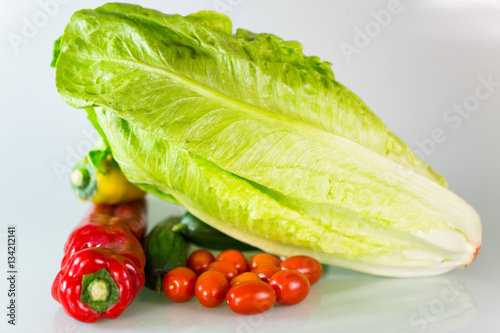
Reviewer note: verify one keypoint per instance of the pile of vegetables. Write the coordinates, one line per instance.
(259, 141)
(255, 139)
(105, 266)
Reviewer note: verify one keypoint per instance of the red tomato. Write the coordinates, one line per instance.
(225, 267)
(178, 284)
(236, 257)
(263, 259)
(251, 297)
(308, 266)
(265, 271)
(247, 276)
(199, 260)
(211, 288)
(291, 286)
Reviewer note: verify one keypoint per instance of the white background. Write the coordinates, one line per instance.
(429, 57)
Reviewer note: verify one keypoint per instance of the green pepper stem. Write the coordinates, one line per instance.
(98, 290)
(178, 227)
(80, 177)
(159, 284)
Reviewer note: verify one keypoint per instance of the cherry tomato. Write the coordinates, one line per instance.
(225, 267)
(263, 259)
(251, 297)
(178, 284)
(236, 257)
(265, 271)
(291, 286)
(211, 288)
(199, 260)
(308, 266)
(247, 276)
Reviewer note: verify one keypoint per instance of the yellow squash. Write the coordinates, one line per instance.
(107, 185)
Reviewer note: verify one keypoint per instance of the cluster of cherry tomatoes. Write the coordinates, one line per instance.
(247, 288)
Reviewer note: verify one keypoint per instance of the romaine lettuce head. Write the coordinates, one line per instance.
(259, 141)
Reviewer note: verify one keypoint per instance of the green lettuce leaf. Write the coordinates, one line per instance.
(55, 53)
(260, 141)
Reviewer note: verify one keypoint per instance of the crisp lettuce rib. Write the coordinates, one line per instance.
(281, 152)
(267, 219)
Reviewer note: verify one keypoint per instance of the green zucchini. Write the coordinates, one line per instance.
(164, 250)
(201, 234)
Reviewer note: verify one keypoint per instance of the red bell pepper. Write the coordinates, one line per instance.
(103, 267)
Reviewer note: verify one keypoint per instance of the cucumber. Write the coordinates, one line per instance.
(203, 235)
(164, 249)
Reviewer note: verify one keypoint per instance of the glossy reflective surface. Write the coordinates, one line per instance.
(345, 301)
(418, 68)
